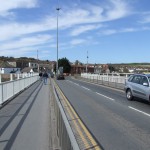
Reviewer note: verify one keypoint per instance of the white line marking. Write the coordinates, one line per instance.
(85, 88)
(76, 84)
(139, 111)
(105, 96)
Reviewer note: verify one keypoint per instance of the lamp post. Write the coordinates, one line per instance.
(38, 62)
(87, 63)
(57, 41)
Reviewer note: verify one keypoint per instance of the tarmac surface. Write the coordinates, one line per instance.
(27, 122)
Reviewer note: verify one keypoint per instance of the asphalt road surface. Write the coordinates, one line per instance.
(116, 123)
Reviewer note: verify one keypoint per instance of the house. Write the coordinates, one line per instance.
(27, 70)
(78, 69)
(6, 68)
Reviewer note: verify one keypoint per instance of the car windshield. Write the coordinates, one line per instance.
(149, 79)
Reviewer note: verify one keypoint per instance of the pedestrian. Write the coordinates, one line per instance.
(41, 75)
(45, 76)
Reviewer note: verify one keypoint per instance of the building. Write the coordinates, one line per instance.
(6, 68)
(78, 69)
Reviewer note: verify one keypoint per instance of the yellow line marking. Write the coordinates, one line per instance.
(71, 110)
(86, 144)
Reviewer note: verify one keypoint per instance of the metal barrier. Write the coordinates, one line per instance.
(11, 88)
(64, 131)
(112, 80)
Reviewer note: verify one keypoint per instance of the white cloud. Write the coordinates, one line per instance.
(125, 30)
(85, 28)
(13, 30)
(120, 9)
(77, 41)
(91, 14)
(7, 5)
(146, 18)
(25, 42)
(81, 17)
(108, 32)
(94, 14)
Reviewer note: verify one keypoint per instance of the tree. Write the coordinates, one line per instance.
(125, 70)
(64, 62)
(111, 68)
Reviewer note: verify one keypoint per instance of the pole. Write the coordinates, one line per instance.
(87, 63)
(37, 62)
(57, 41)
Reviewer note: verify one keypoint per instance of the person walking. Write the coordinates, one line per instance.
(41, 75)
(45, 76)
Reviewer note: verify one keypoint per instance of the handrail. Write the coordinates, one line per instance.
(10, 88)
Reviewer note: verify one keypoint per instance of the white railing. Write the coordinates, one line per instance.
(114, 80)
(11, 88)
(118, 78)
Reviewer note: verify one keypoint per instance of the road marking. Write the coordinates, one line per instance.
(101, 85)
(76, 84)
(105, 96)
(85, 88)
(73, 114)
(69, 81)
(73, 82)
(139, 111)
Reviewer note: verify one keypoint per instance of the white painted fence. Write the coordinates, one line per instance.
(113, 80)
(117, 78)
(11, 88)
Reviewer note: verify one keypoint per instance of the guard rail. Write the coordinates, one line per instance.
(10, 88)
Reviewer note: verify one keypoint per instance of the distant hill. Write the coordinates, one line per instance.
(25, 59)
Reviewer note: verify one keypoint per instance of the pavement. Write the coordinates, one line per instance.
(28, 122)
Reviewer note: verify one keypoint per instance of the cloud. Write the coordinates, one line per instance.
(124, 30)
(14, 30)
(116, 9)
(85, 28)
(25, 42)
(108, 32)
(67, 18)
(7, 6)
(77, 41)
(18, 37)
(146, 18)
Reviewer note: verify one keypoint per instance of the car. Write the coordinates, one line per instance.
(138, 85)
(52, 75)
(60, 77)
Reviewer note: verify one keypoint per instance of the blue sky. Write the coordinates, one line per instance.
(112, 31)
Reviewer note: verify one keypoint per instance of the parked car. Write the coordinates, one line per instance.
(60, 77)
(138, 85)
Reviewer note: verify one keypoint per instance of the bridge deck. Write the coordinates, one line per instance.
(25, 121)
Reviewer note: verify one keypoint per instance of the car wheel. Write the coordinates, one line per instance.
(129, 95)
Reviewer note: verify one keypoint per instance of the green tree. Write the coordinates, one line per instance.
(64, 62)
(111, 68)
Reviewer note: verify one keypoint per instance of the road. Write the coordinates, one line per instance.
(116, 123)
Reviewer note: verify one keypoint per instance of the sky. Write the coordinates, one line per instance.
(111, 31)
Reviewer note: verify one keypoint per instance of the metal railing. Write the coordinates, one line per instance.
(10, 88)
(64, 131)
(112, 80)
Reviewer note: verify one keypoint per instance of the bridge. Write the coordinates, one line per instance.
(76, 113)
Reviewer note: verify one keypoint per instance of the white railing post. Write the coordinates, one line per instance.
(18, 76)
(11, 77)
(0, 78)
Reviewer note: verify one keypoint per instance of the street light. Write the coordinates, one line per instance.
(87, 63)
(57, 41)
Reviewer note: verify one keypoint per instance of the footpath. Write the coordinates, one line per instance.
(28, 122)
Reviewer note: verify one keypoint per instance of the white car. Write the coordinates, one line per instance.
(138, 85)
